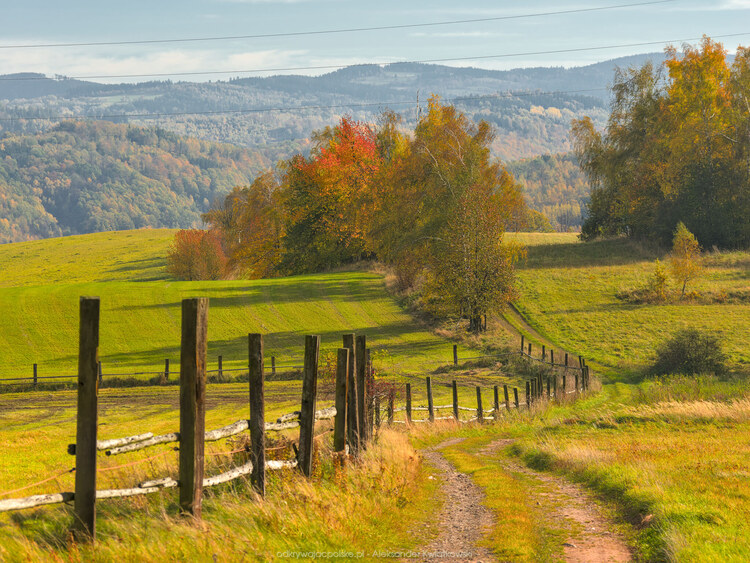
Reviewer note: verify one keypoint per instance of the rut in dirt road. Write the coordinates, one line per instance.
(463, 519)
(592, 539)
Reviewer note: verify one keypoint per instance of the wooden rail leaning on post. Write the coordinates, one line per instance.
(257, 413)
(307, 411)
(430, 403)
(84, 524)
(352, 419)
(192, 404)
(362, 388)
(408, 403)
(339, 428)
(455, 400)
(480, 413)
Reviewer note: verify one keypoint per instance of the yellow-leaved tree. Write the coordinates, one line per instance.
(685, 260)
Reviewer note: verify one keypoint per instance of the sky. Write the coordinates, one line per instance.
(35, 22)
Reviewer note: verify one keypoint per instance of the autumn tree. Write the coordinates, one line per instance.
(196, 255)
(685, 259)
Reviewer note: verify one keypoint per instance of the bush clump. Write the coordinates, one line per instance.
(690, 352)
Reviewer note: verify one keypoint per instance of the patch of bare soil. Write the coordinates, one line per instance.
(463, 519)
(593, 539)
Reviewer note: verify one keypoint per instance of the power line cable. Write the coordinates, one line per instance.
(508, 95)
(381, 63)
(334, 31)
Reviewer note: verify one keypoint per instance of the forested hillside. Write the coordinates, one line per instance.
(82, 177)
(555, 186)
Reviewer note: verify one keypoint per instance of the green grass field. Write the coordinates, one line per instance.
(569, 295)
(41, 281)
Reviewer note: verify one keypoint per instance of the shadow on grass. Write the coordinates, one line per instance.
(608, 252)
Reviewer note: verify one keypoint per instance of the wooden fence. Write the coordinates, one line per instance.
(357, 413)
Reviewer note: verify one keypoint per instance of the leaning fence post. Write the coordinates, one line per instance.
(507, 399)
(84, 523)
(307, 410)
(515, 397)
(408, 403)
(257, 412)
(480, 414)
(352, 419)
(35, 374)
(455, 400)
(496, 405)
(339, 424)
(455, 354)
(362, 388)
(430, 403)
(192, 403)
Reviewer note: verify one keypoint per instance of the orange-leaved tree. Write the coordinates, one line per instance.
(196, 255)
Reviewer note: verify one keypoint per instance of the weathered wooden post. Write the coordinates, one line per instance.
(370, 394)
(362, 388)
(528, 394)
(273, 365)
(544, 352)
(84, 523)
(566, 359)
(192, 404)
(166, 369)
(551, 356)
(408, 403)
(576, 381)
(390, 408)
(352, 418)
(35, 375)
(480, 413)
(307, 410)
(220, 371)
(455, 400)
(515, 397)
(455, 354)
(99, 372)
(339, 424)
(507, 399)
(522, 339)
(529, 349)
(257, 412)
(430, 404)
(564, 387)
(496, 405)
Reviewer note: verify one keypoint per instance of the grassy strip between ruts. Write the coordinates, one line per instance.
(371, 506)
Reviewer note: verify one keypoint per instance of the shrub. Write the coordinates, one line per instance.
(196, 255)
(690, 352)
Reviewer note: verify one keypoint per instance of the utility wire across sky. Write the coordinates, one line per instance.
(420, 61)
(334, 31)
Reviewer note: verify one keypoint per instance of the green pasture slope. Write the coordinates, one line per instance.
(569, 295)
(41, 281)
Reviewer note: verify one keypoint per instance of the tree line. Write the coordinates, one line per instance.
(676, 148)
(432, 203)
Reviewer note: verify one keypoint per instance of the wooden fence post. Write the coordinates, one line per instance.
(307, 410)
(455, 400)
(533, 390)
(339, 424)
(408, 403)
(507, 399)
(430, 404)
(99, 372)
(166, 369)
(84, 523)
(566, 359)
(529, 349)
(35, 375)
(257, 412)
(455, 354)
(551, 356)
(352, 420)
(192, 404)
(576, 380)
(362, 388)
(390, 408)
(528, 394)
(370, 394)
(496, 405)
(273, 365)
(522, 339)
(220, 372)
(480, 413)
(515, 397)
(564, 387)
(544, 352)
